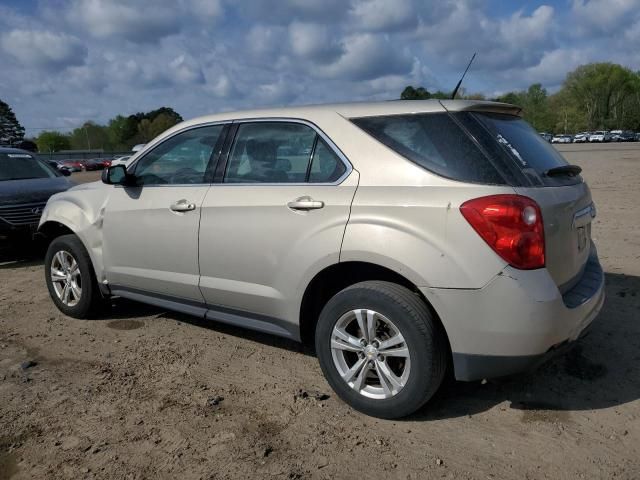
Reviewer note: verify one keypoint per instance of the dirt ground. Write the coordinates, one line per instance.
(143, 393)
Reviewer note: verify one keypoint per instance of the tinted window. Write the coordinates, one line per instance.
(182, 159)
(20, 166)
(270, 152)
(326, 167)
(435, 142)
(523, 144)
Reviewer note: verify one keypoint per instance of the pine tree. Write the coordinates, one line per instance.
(11, 132)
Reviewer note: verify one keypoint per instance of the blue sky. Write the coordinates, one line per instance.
(68, 61)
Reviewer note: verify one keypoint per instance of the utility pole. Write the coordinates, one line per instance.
(86, 134)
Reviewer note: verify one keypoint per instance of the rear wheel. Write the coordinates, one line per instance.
(70, 278)
(380, 349)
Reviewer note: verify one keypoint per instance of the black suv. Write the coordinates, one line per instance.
(26, 184)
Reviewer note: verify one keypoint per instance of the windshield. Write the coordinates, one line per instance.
(21, 166)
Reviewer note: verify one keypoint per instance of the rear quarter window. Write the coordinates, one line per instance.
(435, 142)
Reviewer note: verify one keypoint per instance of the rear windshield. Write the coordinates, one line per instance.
(435, 142)
(525, 146)
(21, 166)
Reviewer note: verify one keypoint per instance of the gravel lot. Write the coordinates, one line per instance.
(143, 393)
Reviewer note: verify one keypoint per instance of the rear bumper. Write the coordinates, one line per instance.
(517, 321)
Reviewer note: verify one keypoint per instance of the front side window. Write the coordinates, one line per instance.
(182, 159)
(22, 166)
(270, 152)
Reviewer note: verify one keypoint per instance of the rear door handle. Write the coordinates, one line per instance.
(305, 203)
(182, 206)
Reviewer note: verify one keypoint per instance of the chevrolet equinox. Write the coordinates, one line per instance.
(404, 239)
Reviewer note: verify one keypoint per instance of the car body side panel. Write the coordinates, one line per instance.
(258, 255)
(149, 247)
(421, 234)
(81, 209)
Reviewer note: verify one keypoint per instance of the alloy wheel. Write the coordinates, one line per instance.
(370, 353)
(66, 278)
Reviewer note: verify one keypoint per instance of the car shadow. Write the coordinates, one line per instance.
(28, 253)
(602, 370)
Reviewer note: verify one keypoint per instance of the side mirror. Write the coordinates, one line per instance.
(65, 172)
(115, 175)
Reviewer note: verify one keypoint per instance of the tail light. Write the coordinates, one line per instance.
(511, 225)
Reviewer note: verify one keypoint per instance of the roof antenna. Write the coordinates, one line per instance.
(455, 90)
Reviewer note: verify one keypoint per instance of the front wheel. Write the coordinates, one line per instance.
(380, 349)
(70, 278)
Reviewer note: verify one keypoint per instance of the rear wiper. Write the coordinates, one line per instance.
(570, 170)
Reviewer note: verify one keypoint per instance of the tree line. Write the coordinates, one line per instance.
(118, 135)
(596, 96)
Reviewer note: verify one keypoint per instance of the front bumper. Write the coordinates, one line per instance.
(517, 321)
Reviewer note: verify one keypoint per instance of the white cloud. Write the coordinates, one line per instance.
(604, 16)
(314, 42)
(43, 49)
(368, 56)
(185, 70)
(385, 15)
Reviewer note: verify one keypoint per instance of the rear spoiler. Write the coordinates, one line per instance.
(481, 106)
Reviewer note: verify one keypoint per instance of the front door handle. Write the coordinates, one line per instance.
(182, 206)
(305, 203)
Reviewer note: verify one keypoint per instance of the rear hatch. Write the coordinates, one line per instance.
(564, 199)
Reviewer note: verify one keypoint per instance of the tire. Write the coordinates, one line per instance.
(396, 310)
(68, 251)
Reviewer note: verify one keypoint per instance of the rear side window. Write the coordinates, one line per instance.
(524, 145)
(326, 167)
(435, 142)
(281, 152)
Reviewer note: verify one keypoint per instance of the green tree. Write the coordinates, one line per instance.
(11, 132)
(91, 136)
(49, 141)
(410, 93)
(600, 91)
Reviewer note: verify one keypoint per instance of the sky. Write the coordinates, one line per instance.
(64, 62)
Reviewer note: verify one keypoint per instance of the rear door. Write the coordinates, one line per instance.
(564, 199)
(274, 217)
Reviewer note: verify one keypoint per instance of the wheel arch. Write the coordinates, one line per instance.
(334, 278)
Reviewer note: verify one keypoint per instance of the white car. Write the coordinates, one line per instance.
(600, 136)
(581, 137)
(403, 239)
(562, 139)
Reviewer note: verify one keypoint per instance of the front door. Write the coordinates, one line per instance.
(151, 229)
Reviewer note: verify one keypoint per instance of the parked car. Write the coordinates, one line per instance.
(63, 169)
(562, 139)
(138, 147)
(413, 238)
(26, 184)
(72, 165)
(96, 163)
(547, 136)
(624, 136)
(600, 136)
(581, 137)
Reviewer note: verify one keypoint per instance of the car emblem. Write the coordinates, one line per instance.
(36, 210)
